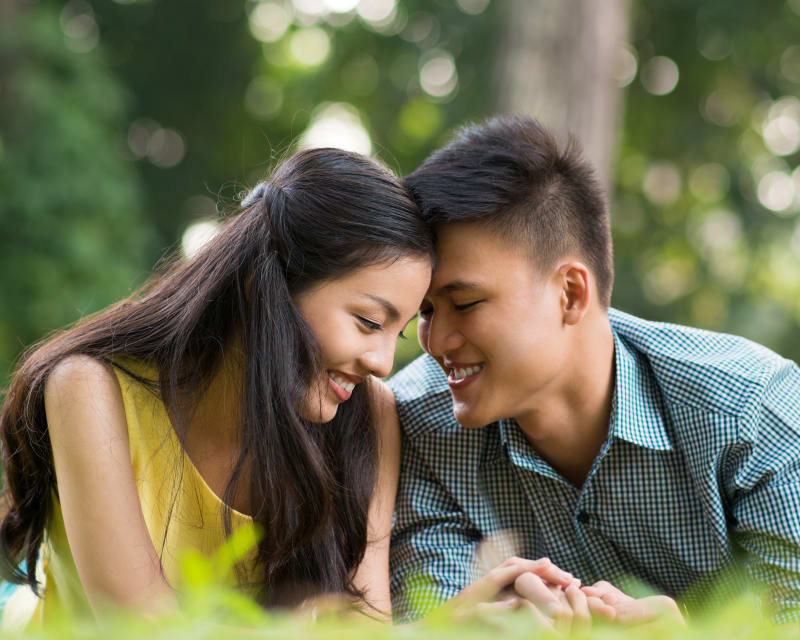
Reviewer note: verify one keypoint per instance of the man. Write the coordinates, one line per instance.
(555, 426)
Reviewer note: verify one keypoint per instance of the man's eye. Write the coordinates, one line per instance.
(425, 312)
(369, 324)
(462, 307)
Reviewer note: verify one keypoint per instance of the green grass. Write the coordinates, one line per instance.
(212, 611)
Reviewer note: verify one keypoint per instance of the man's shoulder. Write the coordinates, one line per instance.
(705, 369)
(423, 397)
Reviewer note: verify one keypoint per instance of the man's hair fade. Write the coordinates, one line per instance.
(510, 174)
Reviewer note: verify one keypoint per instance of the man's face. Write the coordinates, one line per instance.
(494, 324)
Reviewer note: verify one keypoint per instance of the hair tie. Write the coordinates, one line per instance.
(255, 195)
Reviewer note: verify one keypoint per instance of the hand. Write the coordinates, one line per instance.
(633, 611)
(490, 593)
(567, 611)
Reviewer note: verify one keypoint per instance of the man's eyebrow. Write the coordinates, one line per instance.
(391, 310)
(455, 285)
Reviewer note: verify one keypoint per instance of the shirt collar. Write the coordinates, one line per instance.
(638, 407)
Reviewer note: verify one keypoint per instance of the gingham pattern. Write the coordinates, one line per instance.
(701, 466)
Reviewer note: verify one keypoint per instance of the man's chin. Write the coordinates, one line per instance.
(469, 418)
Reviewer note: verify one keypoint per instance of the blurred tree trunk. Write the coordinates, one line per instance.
(558, 65)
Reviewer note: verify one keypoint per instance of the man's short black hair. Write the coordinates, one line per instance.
(510, 174)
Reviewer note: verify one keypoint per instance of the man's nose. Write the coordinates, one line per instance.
(438, 336)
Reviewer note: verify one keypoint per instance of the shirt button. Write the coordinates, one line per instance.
(584, 517)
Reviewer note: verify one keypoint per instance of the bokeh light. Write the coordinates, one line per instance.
(340, 6)
(472, 7)
(660, 76)
(776, 191)
(715, 45)
(166, 148)
(626, 66)
(263, 97)
(781, 129)
(723, 108)
(337, 125)
(377, 13)
(709, 182)
(197, 235)
(268, 21)
(310, 46)
(790, 63)
(437, 74)
(79, 26)
(662, 183)
(669, 279)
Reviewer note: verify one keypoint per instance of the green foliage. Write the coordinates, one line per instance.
(88, 204)
(74, 238)
(210, 608)
(696, 242)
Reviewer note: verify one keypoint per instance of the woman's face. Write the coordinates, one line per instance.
(356, 320)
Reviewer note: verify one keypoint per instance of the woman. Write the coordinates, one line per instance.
(237, 386)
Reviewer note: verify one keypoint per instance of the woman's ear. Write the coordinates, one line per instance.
(575, 281)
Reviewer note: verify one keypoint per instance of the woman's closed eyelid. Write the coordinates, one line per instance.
(370, 324)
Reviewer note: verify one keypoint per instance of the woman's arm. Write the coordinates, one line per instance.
(106, 530)
(373, 572)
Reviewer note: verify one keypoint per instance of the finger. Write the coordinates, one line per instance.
(543, 567)
(487, 588)
(536, 614)
(562, 617)
(600, 608)
(508, 604)
(581, 616)
(531, 587)
(648, 609)
(608, 594)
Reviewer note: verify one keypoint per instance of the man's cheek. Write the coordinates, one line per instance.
(422, 334)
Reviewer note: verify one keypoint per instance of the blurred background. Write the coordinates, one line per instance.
(127, 126)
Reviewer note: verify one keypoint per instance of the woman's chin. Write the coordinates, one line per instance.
(320, 412)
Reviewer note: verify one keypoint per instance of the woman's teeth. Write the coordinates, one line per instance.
(460, 374)
(344, 384)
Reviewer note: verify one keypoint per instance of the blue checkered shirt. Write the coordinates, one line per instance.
(700, 469)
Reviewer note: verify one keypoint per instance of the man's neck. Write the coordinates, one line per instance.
(570, 423)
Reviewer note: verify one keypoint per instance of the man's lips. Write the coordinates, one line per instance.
(460, 374)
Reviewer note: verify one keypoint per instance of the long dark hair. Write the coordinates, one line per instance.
(323, 214)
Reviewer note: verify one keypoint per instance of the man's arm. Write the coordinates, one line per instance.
(432, 558)
(433, 541)
(766, 499)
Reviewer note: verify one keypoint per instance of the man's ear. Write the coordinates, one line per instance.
(575, 279)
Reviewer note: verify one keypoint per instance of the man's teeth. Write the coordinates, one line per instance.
(344, 384)
(460, 374)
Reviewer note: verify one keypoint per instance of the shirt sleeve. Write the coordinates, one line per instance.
(766, 497)
(433, 542)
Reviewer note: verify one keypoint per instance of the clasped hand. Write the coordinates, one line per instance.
(556, 599)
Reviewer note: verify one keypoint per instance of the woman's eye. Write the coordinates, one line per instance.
(462, 307)
(369, 324)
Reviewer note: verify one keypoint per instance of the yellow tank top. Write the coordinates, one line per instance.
(180, 509)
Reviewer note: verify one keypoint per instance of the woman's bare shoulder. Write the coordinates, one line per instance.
(75, 372)
(78, 386)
